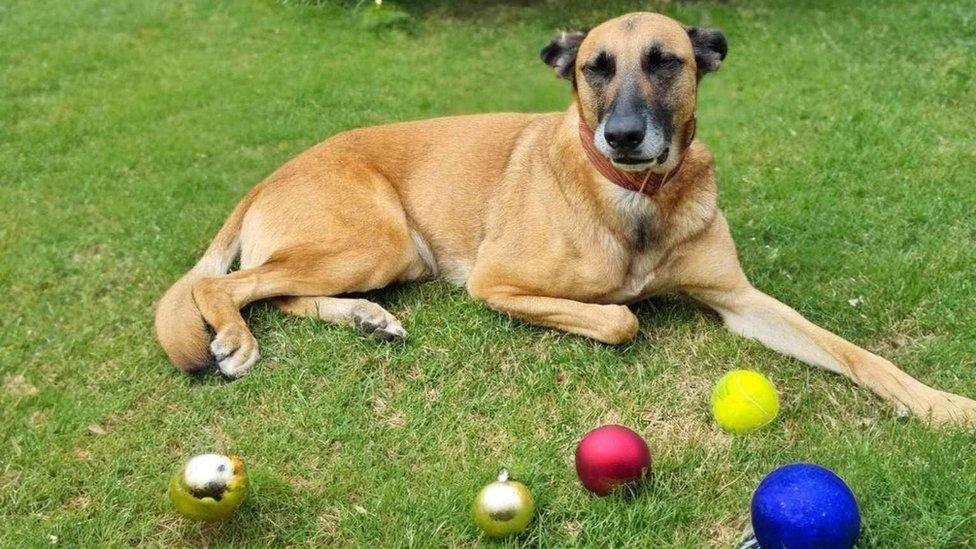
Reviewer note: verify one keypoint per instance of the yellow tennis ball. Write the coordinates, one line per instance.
(744, 401)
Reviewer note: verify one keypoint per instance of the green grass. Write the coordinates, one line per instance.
(843, 135)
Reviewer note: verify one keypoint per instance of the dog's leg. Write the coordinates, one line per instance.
(711, 273)
(362, 314)
(753, 314)
(299, 271)
(611, 324)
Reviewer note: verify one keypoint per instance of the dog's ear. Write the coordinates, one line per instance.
(710, 48)
(560, 54)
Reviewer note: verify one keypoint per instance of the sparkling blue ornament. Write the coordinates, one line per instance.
(804, 506)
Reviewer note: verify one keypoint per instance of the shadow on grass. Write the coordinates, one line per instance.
(666, 309)
(654, 313)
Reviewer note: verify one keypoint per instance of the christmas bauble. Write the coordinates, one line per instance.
(209, 487)
(503, 507)
(611, 456)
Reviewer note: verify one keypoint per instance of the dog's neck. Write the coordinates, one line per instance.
(689, 186)
(647, 181)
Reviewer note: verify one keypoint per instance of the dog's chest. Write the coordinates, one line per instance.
(641, 252)
(642, 277)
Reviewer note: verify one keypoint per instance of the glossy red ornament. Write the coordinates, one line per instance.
(611, 456)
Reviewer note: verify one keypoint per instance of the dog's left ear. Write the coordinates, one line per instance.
(710, 48)
(560, 54)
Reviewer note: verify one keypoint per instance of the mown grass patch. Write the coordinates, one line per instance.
(128, 129)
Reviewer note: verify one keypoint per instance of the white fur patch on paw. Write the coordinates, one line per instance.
(235, 351)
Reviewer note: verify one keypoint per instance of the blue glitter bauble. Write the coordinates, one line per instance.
(805, 506)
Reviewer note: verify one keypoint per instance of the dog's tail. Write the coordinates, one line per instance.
(180, 327)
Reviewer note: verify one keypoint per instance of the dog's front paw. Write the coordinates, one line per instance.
(621, 326)
(235, 350)
(950, 409)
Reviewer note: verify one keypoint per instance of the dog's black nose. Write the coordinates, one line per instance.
(625, 133)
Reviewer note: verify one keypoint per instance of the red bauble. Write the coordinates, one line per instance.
(611, 456)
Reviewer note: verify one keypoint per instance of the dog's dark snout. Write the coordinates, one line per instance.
(625, 132)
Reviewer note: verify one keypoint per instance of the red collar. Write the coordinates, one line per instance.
(647, 182)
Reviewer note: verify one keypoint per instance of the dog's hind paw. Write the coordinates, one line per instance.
(235, 350)
(374, 320)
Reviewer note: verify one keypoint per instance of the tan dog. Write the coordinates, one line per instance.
(559, 219)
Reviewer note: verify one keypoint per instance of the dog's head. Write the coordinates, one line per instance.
(636, 81)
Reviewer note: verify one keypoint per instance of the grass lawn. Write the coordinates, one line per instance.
(843, 135)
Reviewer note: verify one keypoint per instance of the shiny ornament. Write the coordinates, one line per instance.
(611, 456)
(744, 401)
(503, 507)
(209, 487)
(801, 506)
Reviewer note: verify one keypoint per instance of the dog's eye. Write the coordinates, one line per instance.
(669, 63)
(662, 64)
(595, 70)
(601, 66)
